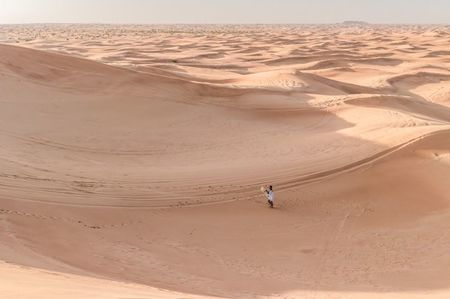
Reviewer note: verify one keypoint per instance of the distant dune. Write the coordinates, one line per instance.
(132, 157)
(360, 23)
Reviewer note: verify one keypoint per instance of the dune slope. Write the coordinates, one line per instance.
(150, 174)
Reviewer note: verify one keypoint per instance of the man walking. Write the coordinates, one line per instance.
(270, 196)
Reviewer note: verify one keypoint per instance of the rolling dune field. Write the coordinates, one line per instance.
(131, 161)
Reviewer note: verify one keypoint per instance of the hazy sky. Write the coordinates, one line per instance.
(224, 11)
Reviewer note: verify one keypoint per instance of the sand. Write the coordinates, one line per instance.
(131, 161)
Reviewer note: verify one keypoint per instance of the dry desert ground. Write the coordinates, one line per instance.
(131, 161)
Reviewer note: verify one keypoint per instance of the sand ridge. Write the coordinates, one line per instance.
(136, 153)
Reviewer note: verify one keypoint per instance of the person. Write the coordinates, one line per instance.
(270, 196)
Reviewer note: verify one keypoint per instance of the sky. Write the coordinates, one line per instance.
(225, 11)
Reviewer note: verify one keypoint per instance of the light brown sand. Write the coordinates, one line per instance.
(135, 154)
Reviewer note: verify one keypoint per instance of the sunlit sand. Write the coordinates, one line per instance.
(132, 157)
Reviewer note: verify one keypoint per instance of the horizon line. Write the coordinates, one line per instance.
(223, 24)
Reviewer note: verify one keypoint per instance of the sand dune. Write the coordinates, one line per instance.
(35, 283)
(132, 157)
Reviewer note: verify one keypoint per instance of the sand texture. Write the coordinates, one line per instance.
(132, 157)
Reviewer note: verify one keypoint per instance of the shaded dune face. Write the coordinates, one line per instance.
(145, 150)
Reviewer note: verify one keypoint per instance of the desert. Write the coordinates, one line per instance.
(132, 156)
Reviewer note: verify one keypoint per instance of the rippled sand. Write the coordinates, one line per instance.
(135, 154)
